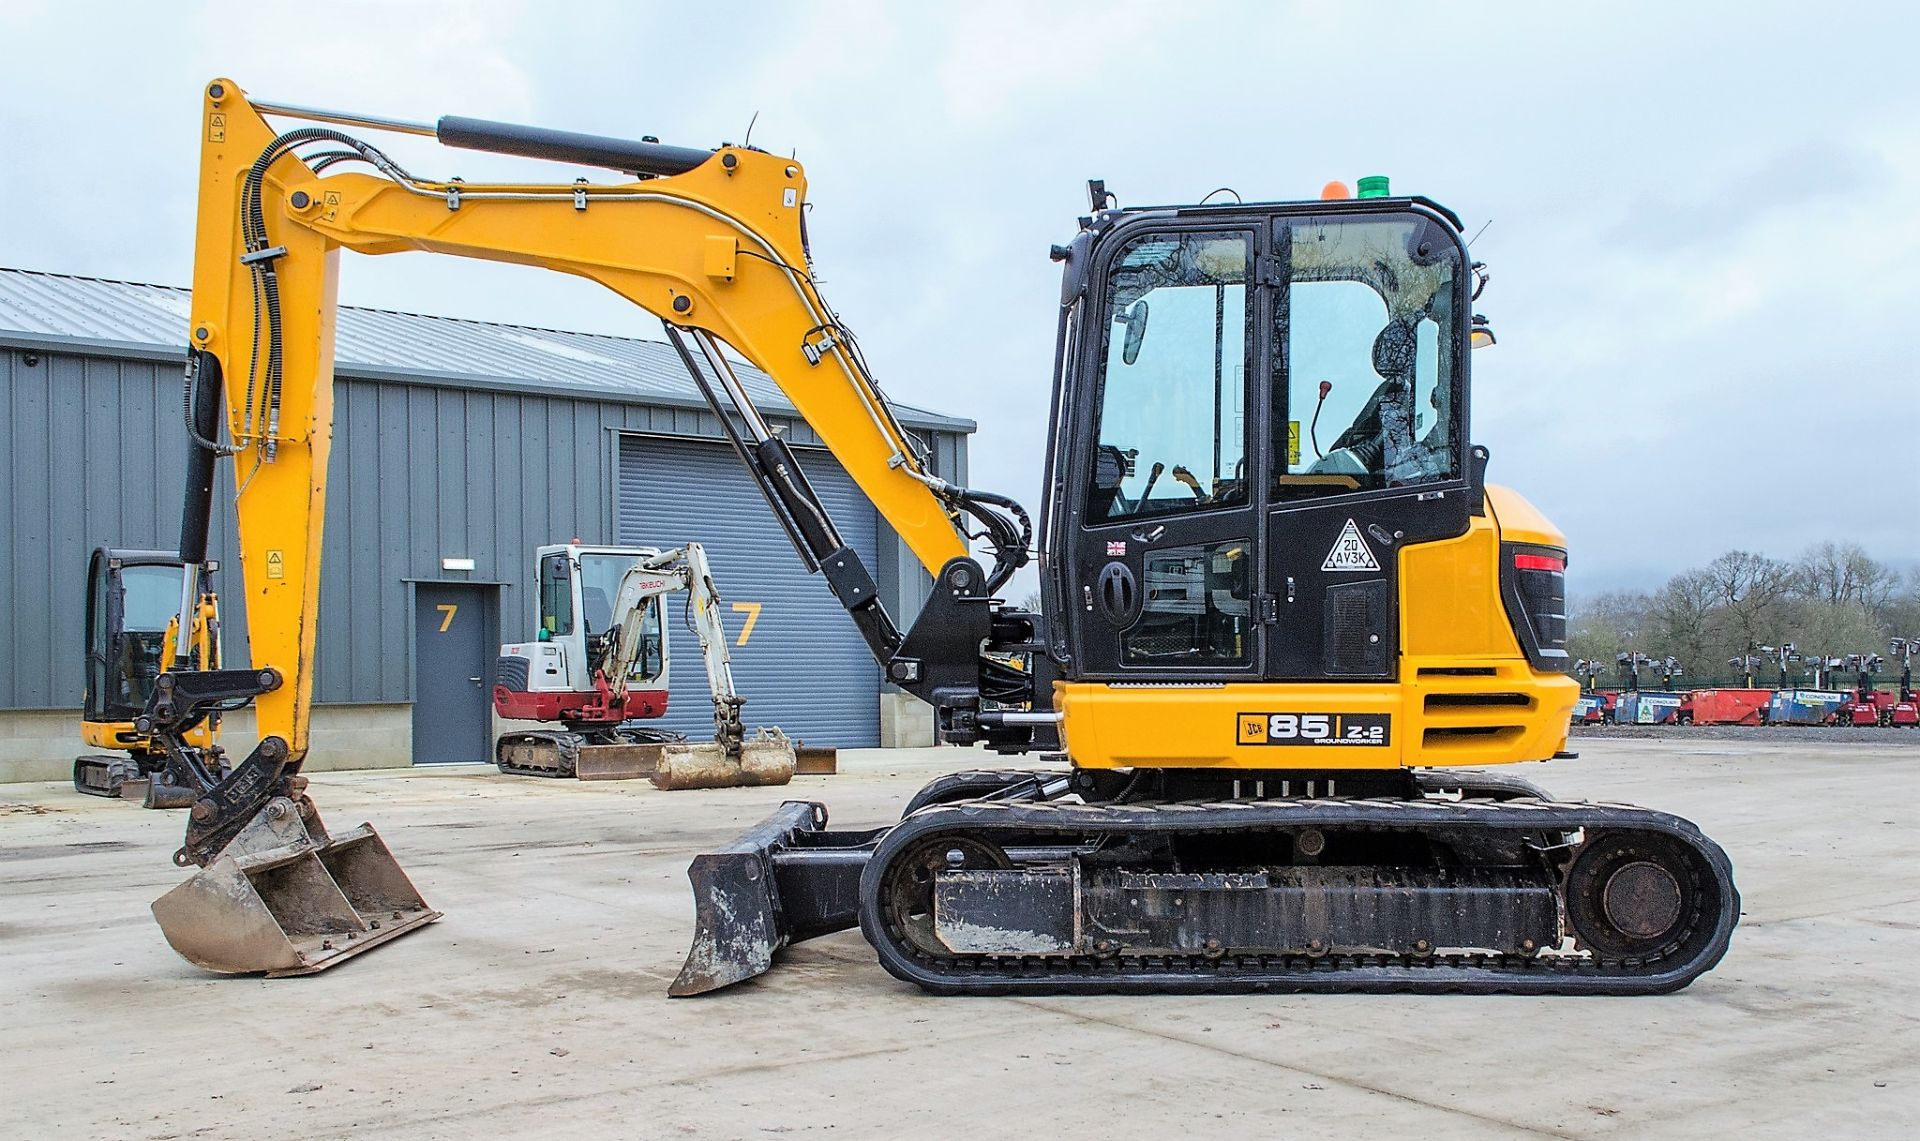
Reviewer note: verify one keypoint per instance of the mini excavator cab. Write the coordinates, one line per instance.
(132, 615)
(1265, 556)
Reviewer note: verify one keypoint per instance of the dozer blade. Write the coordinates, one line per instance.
(766, 758)
(816, 760)
(785, 880)
(294, 909)
(617, 762)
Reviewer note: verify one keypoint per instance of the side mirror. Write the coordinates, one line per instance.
(1136, 321)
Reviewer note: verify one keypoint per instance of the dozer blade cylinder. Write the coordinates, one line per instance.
(292, 910)
(785, 880)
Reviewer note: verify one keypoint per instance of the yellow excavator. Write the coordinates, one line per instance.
(132, 637)
(1259, 691)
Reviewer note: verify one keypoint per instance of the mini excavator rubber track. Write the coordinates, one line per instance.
(999, 882)
(1055, 916)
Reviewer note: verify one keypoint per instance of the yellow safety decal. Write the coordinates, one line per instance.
(216, 127)
(330, 206)
(1293, 443)
(449, 609)
(276, 564)
(752, 611)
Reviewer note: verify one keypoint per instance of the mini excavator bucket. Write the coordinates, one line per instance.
(765, 758)
(294, 908)
(785, 880)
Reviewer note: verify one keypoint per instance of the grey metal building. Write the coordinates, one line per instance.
(454, 440)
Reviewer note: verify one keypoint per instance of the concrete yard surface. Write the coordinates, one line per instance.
(537, 1006)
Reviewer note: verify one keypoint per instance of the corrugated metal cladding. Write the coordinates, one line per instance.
(803, 667)
(485, 465)
(381, 344)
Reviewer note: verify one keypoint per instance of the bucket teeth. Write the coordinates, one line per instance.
(294, 909)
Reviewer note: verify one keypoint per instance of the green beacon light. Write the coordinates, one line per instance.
(1373, 186)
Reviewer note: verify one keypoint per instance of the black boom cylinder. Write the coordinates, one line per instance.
(626, 155)
(203, 412)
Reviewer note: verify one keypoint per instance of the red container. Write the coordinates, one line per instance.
(1730, 706)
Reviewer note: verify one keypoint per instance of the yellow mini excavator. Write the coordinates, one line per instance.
(1262, 686)
(132, 637)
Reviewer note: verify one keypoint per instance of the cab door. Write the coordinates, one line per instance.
(1369, 429)
(1166, 553)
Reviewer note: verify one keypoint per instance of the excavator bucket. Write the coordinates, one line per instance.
(765, 758)
(293, 909)
(785, 880)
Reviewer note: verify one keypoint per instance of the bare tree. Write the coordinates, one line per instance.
(1602, 625)
(1681, 615)
(1751, 589)
(1842, 573)
(1833, 599)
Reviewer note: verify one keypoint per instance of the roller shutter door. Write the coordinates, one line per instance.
(803, 667)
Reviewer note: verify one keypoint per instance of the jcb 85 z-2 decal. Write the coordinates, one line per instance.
(1361, 729)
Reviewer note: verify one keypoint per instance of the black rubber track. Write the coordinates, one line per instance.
(1700, 947)
(984, 784)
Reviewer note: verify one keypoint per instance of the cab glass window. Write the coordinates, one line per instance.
(1172, 430)
(1197, 608)
(600, 577)
(556, 596)
(150, 597)
(652, 657)
(1367, 320)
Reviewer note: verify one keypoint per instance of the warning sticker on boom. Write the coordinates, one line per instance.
(1356, 729)
(1350, 552)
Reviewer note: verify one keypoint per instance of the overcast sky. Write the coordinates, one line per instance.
(1704, 218)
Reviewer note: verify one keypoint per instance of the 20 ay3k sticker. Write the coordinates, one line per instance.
(1350, 552)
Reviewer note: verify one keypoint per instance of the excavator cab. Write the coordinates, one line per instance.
(132, 617)
(1293, 415)
(550, 678)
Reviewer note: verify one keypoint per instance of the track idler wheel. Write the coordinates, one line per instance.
(1633, 895)
(908, 894)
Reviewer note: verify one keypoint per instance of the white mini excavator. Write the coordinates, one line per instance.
(599, 659)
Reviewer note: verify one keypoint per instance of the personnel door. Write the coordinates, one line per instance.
(455, 636)
(1166, 560)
